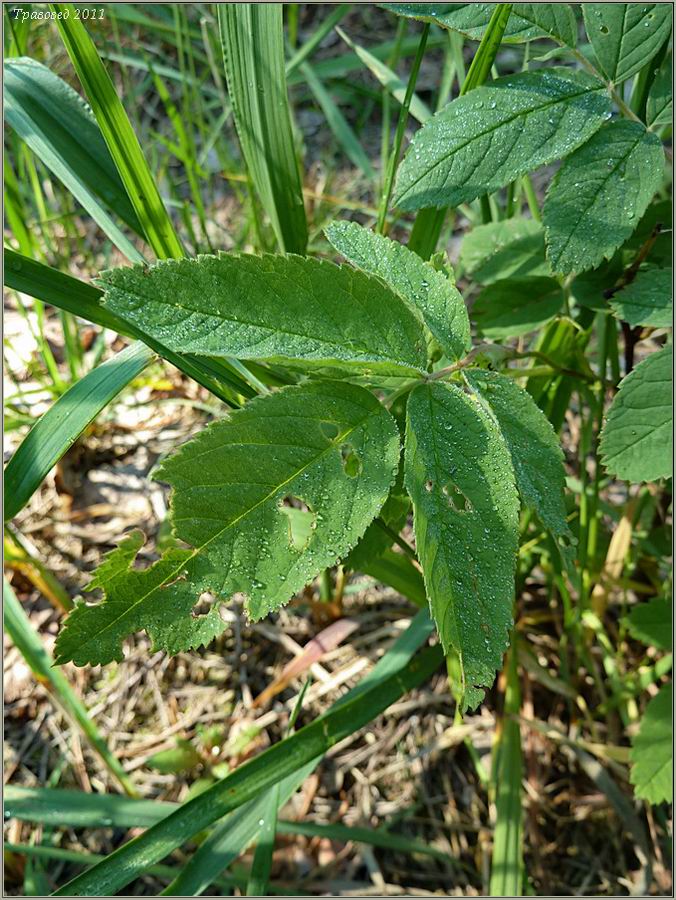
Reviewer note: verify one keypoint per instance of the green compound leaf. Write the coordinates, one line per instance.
(497, 250)
(328, 448)
(535, 450)
(430, 291)
(625, 36)
(652, 753)
(527, 21)
(659, 106)
(647, 300)
(650, 623)
(281, 309)
(516, 306)
(459, 475)
(637, 440)
(486, 138)
(599, 194)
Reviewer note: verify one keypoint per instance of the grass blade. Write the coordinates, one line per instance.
(57, 126)
(27, 641)
(507, 863)
(251, 779)
(58, 429)
(118, 134)
(65, 292)
(253, 56)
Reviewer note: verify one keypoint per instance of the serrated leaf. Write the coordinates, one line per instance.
(659, 105)
(637, 439)
(516, 306)
(652, 753)
(527, 21)
(625, 36)
(536, 453)
(647, 300)
(232, 486)
(486, 138)
(497, 250)
(459, 475)
(428, 290)
(281, 309)
(651, 623)
(599, 194)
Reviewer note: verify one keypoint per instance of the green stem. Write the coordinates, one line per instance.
(393, 161)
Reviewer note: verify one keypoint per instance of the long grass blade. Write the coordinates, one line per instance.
(58, 429)
(251, 779)
(118, 134)
(57, 126)
(253, 56)
(27, 641)
(507, 863)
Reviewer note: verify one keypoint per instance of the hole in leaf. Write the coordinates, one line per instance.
(329, 429)
(456, 499)
(351, 461)
(301, 521)
(204, 605)
(429, 485)
(604, 29)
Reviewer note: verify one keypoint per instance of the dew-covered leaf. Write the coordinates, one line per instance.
(659, 105)
(281, 309)
(599, 194)
(647, 300)
(536, 453)
(516, 306)
(459, 475)
(637, 439)
(497, 250)
(652, 754)
(527, 21)
(486, 138)
(651, 622)
(326, 448)
(625, 36)
(431, 292)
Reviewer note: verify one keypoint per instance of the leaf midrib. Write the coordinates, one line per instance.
(501, 124)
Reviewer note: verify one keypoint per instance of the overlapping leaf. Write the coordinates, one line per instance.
(327, 447)
(459, 475)
(625, 36)
(511, 247)
(652, 753)
(651, 622)
(430, 291)
(637, 440)
(647, 300)
(659, 105)
(527, 21)
(516, 306)
(274, 308)
(535, 450)
(486, 138)
(599, 194)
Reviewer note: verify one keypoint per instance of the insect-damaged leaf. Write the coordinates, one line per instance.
(599, 194)
(637, 439)
(431, 292)
(460, 478)
(535, 450)
(327, 448)
(486, 138)
(282, 309)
